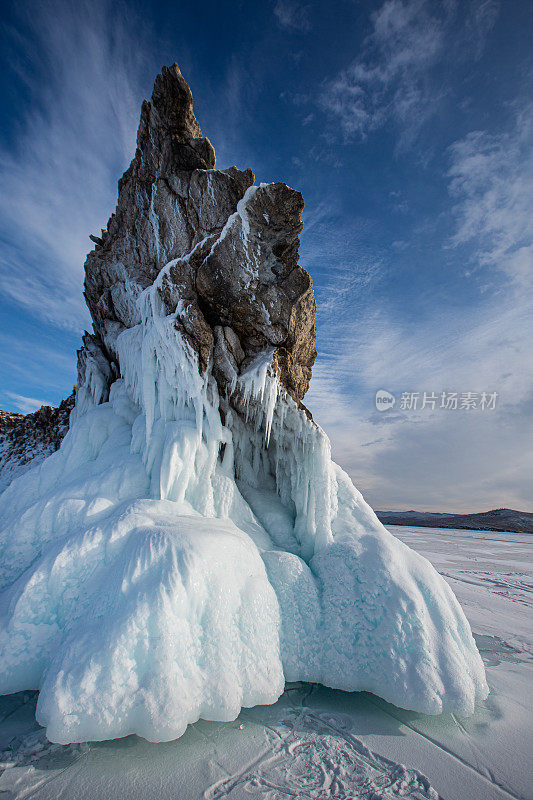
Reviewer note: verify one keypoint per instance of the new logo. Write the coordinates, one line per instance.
(384, 400)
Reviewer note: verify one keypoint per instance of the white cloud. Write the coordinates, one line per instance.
(392, 77)
(438, 460)
(84, 69)
(34, 359)
(491, 181)
(478, 24)
(333, 240)
(441, 460)
(292, 15)
(26, 405)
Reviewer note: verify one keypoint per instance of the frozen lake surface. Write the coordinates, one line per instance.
(319, 743)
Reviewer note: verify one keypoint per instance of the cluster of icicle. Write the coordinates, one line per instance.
(183, 435)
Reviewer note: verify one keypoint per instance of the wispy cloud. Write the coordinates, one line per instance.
(479, 21)
(451, 460)
(392, 78)
(441, 460)
(84, 71)
(491, 181)
(338, 245)
(26, 405)
(292, 15)
(37, 360)
(37, 365)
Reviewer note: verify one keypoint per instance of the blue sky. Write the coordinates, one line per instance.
(407, 125)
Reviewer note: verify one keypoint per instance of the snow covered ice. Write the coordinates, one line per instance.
(145, 586)
(191, 546)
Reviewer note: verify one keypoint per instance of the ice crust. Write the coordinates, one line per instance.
(165, 565)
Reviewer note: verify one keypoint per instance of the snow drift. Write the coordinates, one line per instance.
(191, 545)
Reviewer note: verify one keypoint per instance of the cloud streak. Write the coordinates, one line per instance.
(27, 405)
(292, 15)
(83, 69)
(433, 460)
(392, 79)
(491, 182)
(441, 460)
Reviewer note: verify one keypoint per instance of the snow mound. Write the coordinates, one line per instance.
(170, 562)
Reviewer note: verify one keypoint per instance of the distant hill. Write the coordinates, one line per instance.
(500, 519)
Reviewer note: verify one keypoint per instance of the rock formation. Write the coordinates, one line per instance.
(191, 545)
(234, 250)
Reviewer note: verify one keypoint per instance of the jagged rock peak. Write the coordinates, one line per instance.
(169, 133)
(230, 250)
(172, 101)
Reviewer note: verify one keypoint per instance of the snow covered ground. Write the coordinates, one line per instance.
(320, 743)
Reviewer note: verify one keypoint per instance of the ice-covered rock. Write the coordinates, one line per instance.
(229, 249)
(191, 544)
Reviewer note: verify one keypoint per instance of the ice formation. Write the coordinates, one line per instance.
(191, 545)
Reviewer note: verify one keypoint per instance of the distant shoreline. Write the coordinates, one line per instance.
(501, 520)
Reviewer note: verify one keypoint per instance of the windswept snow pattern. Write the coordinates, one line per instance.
(171, 563)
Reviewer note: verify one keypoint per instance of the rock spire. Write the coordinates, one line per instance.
(231, 249)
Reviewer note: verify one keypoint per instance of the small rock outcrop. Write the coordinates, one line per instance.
(27, 439)
(231, 248)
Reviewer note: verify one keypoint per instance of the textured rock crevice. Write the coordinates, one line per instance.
(233, 276)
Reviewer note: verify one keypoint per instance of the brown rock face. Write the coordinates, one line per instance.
(234, 281)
